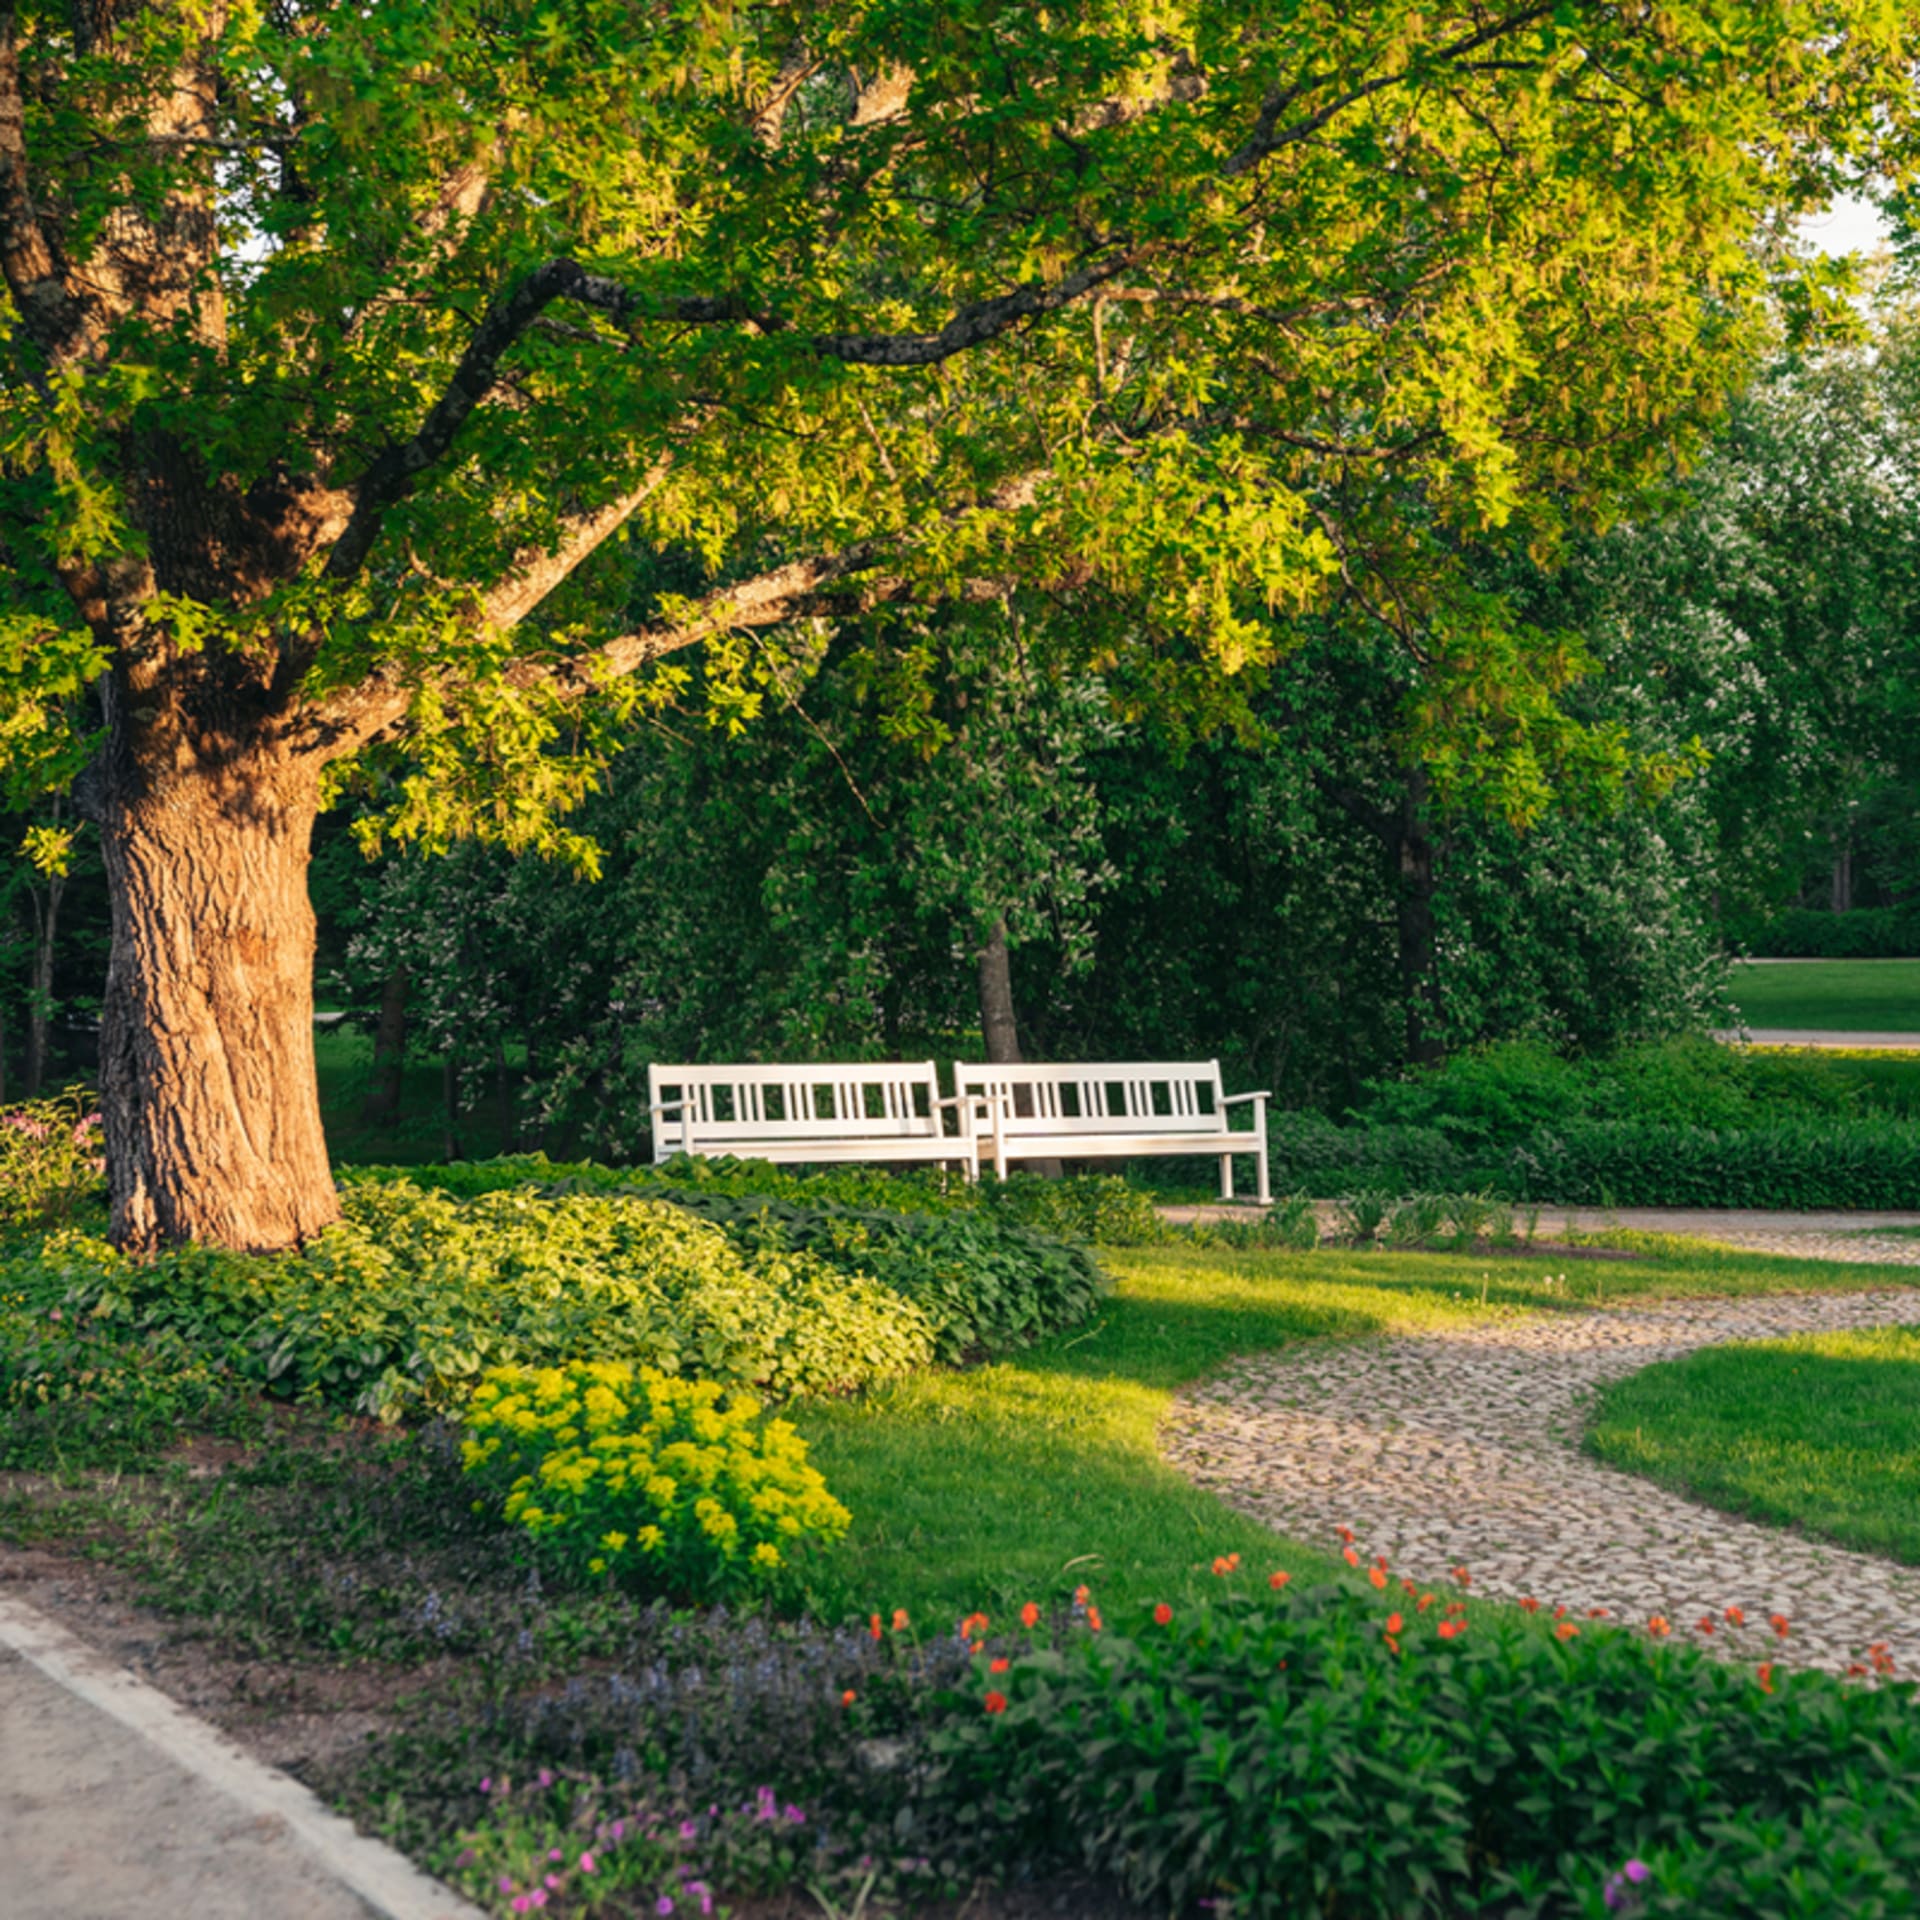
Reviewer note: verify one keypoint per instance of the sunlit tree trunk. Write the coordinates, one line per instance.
(208, 1089)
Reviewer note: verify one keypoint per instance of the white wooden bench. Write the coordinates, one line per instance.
(884, 1111)
(1120, 1111)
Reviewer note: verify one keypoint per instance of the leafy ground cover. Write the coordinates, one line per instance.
(1842, 996)
(1820, 1431)
(545, 1731)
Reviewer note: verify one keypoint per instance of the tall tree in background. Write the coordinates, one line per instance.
(343, 343)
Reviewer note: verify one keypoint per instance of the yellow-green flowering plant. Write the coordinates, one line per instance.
(665, 1485)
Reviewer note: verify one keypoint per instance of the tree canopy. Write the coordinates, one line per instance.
(348, 346)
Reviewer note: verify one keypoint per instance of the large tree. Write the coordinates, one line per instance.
(345, 343)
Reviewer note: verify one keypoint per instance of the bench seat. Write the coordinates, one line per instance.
(1121, 1110)
(812, 1113)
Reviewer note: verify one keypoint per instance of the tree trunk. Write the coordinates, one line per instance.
(46, 931)
(998, 1028)
(382, 1104)
(1841, 894)
(450, 1147)
(1001, 1031)
(209, 1095)
(1419, 978)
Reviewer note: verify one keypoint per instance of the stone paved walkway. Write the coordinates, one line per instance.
(1460, 1447)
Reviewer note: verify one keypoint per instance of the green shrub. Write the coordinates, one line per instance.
(666, 1486)
(1312, 1756)
(1807, 933)
(1485, 1097)
(50, 1164)
(416, 1293)
(982, 1279)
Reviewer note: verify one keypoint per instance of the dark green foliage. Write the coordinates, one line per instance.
(1681, 1123)
(1867, 933)
(1285, 1758)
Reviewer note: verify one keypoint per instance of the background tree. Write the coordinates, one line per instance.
(344, 343)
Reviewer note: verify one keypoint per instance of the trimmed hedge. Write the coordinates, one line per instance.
(1807, 933)
(1867, 1161)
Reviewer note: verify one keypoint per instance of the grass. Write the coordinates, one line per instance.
(1820, 1432)
(1017, 1480)
(1837, 996)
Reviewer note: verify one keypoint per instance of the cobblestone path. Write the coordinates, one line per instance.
(1460, 1448)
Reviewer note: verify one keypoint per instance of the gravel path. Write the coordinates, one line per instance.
(1460, 1447)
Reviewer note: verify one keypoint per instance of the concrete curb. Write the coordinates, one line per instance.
(386, 1881)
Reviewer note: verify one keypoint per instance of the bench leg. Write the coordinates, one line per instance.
(1226, 1176)
(1262, 1181)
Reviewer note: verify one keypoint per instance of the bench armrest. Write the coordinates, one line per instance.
(1234, 1099)
(667, 1106)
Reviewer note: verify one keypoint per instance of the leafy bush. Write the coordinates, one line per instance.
(50, 1164)
(1318, 1755)
(1867, 933)
(1097, 1208)
(74, 1393)
(982, 1280)
(667, 1486)
(416, 1293)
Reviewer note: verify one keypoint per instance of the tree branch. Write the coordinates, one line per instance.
(1269, 136)
(538, 571)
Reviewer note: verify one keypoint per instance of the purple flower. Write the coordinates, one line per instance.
(795, 1818)
(554, 1853)
(1637, 1870)
(522, 1903)
(663, 1906)
(618, 1829)
(486, 1785)
(546, 1777)
(689, 1830)
(586, 1863)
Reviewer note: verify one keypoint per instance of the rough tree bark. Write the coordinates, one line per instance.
(209, 1096)
(998, 1027)
(46, 934)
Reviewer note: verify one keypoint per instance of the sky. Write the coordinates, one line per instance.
(1849, 224)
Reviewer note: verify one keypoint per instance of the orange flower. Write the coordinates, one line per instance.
(1378, 1578)
(1426, 1600)
(899, 1619)
(1394, 1624)
(1462, 1577)
(1093, 1618)
(1081, 1595)
(997, 1665)
(1448, 1628)
(996, 1703)
(1857, 1669)
(1409, 1589)
(848, 1698)
(1735, 1618)
(972, 1624)
(1278, 1580)
(1393, 1645)
(1528, 1604)
(1162, 1615)
(1226, 1562)
(1766, 1676)
(1349, 1556)
(1779, 1623)
(1566, 1630)
(874, 1626)
(1559, 1613)
(1704, 1624)
(1345, 1533)
(1029, 1616)
(1658, 1626)
(1596, 1613)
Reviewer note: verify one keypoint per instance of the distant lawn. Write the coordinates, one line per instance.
(1015, 1481)
(1844, 996)
(1821, 1432)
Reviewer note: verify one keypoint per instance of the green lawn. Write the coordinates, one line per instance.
(1820, 1432)
(1016, 1480)
(1843, 996)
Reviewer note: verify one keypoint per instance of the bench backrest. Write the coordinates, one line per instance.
(888, 1100)
(1124, 1097)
